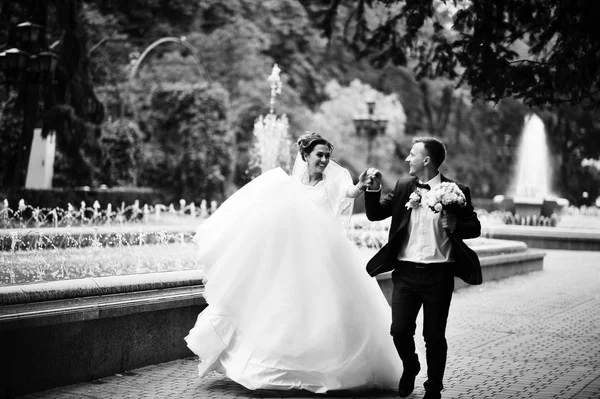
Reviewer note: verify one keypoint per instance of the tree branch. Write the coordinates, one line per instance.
(528, 61)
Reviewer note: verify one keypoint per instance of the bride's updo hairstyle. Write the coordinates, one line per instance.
(308, 141)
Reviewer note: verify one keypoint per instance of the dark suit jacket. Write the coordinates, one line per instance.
(466, 266)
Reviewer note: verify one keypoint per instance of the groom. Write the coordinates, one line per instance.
(425, 252)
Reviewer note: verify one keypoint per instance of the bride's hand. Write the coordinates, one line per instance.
(374, 178)
(364, 180)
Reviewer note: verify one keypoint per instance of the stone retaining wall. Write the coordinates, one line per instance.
(64, 332)
(547, 237)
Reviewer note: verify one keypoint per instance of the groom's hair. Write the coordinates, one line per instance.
(434, 147)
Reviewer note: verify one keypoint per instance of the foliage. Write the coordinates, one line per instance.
(334, 120)
(10, 131)
(66, 99)
(248, 37)
(149, 18)
(483, 151)
(479, 152)
(189, 149)
(544, 52)
(78, 149)
(120, 141)
(573, 137)
(245, 35)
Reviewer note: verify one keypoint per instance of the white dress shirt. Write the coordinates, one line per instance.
(426, 241)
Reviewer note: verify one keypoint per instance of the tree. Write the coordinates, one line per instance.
(249, 37)
(334, 120)
(544, 52)
(121, 142)
(189, 152)
(573, 136)
(10, 131)
(67, 102)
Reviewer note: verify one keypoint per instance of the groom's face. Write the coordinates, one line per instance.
(416, 159)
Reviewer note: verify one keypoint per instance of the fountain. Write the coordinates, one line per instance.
(530, 195)
(272, 143)
(530, 207)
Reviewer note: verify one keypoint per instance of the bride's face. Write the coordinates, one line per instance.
(318, 159)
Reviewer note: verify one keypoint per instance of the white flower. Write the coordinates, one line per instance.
(444, 195)
(414, 200)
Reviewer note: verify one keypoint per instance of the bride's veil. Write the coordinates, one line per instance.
(337, 181)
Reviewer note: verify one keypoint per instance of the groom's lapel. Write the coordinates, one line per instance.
(405, 195)
(444, 179)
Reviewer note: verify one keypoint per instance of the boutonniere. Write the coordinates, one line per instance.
(414, 200)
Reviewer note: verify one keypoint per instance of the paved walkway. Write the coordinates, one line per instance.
(530, 336)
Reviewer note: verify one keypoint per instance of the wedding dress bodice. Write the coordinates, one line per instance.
(320, 196)
(331, 194)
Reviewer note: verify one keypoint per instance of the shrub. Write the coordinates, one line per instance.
(120, 142)
(10, 133)
(190, 143)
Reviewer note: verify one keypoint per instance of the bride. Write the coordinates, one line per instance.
(290, 305)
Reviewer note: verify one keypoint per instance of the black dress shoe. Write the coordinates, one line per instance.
(407, 382)
(432, 395)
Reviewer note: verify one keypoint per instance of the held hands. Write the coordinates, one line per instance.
(370, 179)
(448, 221)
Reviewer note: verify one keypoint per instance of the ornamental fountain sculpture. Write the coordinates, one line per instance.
(272, 143)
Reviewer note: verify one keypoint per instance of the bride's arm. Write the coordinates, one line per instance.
(356, 190)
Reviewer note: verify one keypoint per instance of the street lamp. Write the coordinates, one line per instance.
(370, 127)
(27, 65)
(28, 33)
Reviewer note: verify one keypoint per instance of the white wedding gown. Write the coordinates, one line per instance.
(290, 304)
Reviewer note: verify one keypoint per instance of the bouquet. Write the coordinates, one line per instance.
(445, 196)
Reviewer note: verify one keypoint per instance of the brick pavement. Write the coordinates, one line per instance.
(530, 336)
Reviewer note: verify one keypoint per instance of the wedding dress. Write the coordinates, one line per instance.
(290, 304)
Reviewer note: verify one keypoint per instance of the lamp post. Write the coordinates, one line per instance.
(370, 127)
(26, 66)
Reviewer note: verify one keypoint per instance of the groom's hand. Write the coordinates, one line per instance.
(374, 178)
(449, 221)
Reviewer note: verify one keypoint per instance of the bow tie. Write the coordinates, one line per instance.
(420, 184)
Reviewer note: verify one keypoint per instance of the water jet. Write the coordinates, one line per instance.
(530, 195)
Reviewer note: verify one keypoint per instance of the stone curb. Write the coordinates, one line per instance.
(68, 289)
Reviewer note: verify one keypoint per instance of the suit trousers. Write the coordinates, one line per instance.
(429, 286)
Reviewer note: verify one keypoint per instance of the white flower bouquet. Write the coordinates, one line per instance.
(445, 196)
